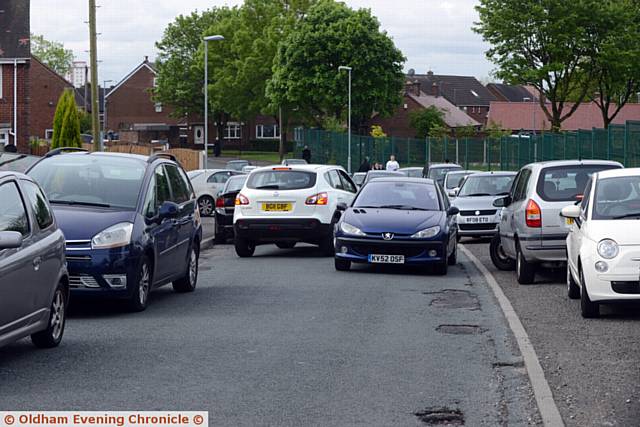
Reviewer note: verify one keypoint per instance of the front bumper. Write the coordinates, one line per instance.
(469, 222)
(266, 230)
(415, 252)
(621, 282)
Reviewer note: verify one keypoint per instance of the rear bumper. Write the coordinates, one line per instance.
(224, 221)
(545, 248)
(415, 252)
(266, 230)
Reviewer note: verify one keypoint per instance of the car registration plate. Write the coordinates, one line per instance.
(478, 220)
(386, 259)
(277, 207)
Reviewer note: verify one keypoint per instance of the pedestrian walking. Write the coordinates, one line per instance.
(306, 154)
(365, 166)
(392, 164)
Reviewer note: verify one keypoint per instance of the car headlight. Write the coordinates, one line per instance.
(113, 237)
(608, 249)
(350, 229)
(427, 233)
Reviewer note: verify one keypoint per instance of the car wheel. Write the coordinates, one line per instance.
(140, 295)
(573, 290)
(286, 245)
(498, 255)
(458, 237)
(588, 308)
(52, 336)
(189, 281)
(206, 205)
(453, 258)
(525, 271)
(326, 246)
(244, 248)
(342, 264)
(219, 236)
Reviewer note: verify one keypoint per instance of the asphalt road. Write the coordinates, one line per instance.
(284, 339)
(592, 366)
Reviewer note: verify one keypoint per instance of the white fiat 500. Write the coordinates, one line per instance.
(603, 244)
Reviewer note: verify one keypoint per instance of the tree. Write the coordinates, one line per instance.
(52, 54)
(547, 44)
(305, 70)
(438, 131)
(66, 122)
(465, 131)
(425, 119)
(495, 131)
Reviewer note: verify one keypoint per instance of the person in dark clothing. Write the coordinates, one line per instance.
(10, 148)
(306, 154)
(365, 166)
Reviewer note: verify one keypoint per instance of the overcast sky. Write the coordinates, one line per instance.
(433, 34)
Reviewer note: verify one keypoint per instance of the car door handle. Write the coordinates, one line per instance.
(36, 263)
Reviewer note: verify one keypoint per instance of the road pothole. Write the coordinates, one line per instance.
(450, 298)
(441, 417)
(460, 329)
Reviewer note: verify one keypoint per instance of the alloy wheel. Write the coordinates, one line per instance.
(57, 315)
(193, 268)
(143, 291)
(206, 206)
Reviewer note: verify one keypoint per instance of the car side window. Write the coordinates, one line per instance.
(334, 179)
(521, 187)
(13, 214)
(347, 183)
(584, 205)
(514, 186)
(185, 178)
(39, 205)
(158, 192)
(219, 177)
(179, 188)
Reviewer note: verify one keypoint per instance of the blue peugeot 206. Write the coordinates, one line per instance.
(130, 222)
(397, 221)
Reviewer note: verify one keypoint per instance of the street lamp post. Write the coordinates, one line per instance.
(104, 109)
(340, 68)
(206, 96)
(527, 99)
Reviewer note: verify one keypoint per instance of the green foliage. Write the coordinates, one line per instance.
(53, 54)
(465, 131)
(305, 69)
(438, 131)
(422, 121)
(377, 132)
(85, 122)
(495, 131)
(66, 122)
(332, 124)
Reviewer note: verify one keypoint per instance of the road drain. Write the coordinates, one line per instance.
(459, 329)
(441, 417)
(450, 298)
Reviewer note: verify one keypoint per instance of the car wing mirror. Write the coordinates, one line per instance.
(341, 207)
(453, 210)
(571, 211)
(502, 202)
(10, 240)
(168, 210)
(454, 192)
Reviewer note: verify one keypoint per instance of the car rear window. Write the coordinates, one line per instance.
(235, 183)
(281, 180)
(565, 183)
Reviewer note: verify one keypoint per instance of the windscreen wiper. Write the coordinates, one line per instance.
(402, 207)
(75, 203)
(268, 187)
(629, 215)
(476, 195)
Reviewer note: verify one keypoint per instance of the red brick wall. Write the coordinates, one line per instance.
(398, 125)
(45, 87)
(6, 103)
(479, 114)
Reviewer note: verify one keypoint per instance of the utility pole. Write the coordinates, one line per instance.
(93, 52)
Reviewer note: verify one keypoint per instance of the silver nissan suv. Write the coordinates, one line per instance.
(531, 231)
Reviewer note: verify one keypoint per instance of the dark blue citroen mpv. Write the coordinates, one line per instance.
(130, 222)
(397, 221)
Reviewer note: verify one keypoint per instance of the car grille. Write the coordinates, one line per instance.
(477, 227)
(83, 281)
(626, 287)
(78, 245)
(483, 213)
(407, 251)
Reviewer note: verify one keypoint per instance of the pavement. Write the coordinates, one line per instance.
(283, 339)
(592, 365)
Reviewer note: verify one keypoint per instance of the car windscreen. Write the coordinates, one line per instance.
(486, 185)
(565, 183)
(237, 165)
(359, 178)
(439, 173)
(90, 180)
(281, 180)
(412, 173)
(235, 183)
(398, 195)
(454, 179)
(194, 174)
(617, 198)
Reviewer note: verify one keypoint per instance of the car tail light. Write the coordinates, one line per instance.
(241, 199)
(318, 199)
(281, 169)
(533, 215)
(219, 202)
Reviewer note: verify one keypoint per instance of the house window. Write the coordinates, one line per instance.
(4, 136)
(155, 82)
(298, 134)
(267, 132)
(232, 131)
(158, 106)
(48, 134)
(1, 68)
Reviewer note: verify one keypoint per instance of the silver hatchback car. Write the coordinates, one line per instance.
(531, 231)
(34, 286)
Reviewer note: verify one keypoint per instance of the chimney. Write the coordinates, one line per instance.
(435, 89)
(146, 58)
(413, 87)
(430, 74)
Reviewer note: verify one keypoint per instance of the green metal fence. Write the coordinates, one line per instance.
(619, 142)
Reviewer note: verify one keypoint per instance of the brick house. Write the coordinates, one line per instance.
(14, 74)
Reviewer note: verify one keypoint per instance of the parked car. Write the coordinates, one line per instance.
(358, 178)
(604, 241)
(531, 231)
(291, 162)
(397, 221)
(438, 171)
(15, 162)
(414, 172)
(225, 206)
(249, 168)
(207, 184)
(478, 217)
(286, 205)
(453, 181)
(131, 222)
(375, 174)
(34, 284)
(237, 165)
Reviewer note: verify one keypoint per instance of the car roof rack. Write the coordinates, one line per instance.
(61, 150)
(155, 156)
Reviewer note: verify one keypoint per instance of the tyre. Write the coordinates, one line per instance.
(498, 256)
(286, 245)
(326, 246)
(206, 205)
(573, 290)
(458, 237)
(441, 269)
(453, 258)
(588, 309)
(142, 287)
(244, 248)
(525, 271)
(219, 236)
(52, 336)
(188, 282)
(342, 264)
